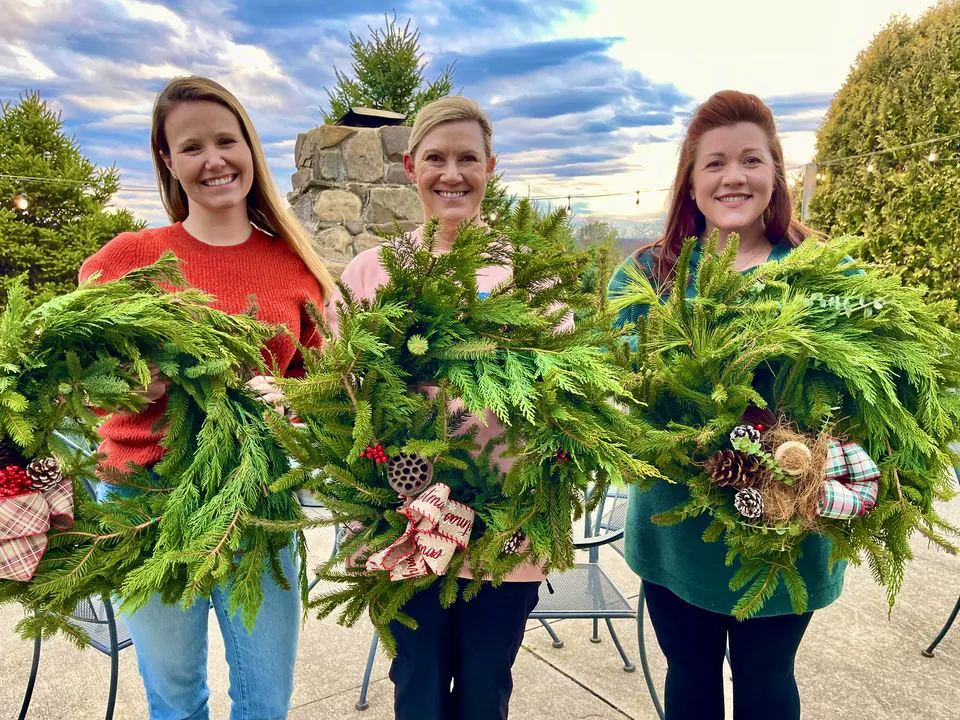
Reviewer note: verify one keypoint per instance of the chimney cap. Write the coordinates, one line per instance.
(370, 117)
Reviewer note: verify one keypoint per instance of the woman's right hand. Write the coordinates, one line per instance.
(157, 387)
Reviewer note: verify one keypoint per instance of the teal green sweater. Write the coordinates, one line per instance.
(675, 556)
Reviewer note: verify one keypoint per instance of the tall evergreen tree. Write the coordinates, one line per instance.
(388, 74)
(48, 228)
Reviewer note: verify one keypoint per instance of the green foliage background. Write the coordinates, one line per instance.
(65, 222)
(903, 89)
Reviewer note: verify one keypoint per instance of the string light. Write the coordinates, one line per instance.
(66, 181)
(933, 156)
(870, 167)
(21, 201)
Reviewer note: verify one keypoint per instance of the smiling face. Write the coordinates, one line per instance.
(450, 169)
(733, 177)
(209, 156)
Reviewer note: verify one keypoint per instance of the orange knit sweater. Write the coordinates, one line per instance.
(262, 266)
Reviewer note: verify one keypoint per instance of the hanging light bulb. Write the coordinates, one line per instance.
(568, 203)
(21, 201)
(821, 177)
(870, 167)
(638, 197)
(932, 157)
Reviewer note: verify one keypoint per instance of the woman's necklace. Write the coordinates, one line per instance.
(757, 256)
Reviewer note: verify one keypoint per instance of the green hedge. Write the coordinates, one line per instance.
(903, 89)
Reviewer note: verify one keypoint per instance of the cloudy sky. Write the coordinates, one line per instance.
(587, 96)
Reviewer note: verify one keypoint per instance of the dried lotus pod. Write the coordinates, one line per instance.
(409, 474)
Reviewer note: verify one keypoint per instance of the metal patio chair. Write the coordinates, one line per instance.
(929, 651)
(585, 591)
(105, 632)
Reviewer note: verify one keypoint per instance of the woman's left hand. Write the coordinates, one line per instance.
(264, 388)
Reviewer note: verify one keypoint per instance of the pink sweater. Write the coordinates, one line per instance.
(363, 276)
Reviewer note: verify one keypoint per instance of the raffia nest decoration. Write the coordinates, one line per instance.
(801, 456)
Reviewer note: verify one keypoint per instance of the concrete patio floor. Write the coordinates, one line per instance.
(855, 662)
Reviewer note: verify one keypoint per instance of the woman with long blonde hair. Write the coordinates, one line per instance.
(235, 240)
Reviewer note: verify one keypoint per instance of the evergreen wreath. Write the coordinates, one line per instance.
(205, 514)
(366, 404)
(816, 348)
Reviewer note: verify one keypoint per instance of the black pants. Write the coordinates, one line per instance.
(471, 645)
(694, 640)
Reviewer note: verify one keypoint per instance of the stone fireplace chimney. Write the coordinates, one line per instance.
(350, 185)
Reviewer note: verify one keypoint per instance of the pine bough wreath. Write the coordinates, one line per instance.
(367, 410)
(206, 513)
(819, 350)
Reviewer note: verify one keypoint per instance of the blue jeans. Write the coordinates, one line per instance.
(171, 647)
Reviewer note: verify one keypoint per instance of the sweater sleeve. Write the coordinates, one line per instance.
(362, 276)
(310, 336)
(115, 259)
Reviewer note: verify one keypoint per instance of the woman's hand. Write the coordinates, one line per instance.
(264, 388)
(157, 387)
(153, 391)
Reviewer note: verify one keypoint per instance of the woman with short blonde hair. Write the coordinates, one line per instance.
(458, 662)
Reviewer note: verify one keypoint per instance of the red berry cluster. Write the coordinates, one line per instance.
(375, 453)
(14, 481)
(562, 456)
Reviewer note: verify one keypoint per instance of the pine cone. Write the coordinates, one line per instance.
(733, 467)
(749, 503)
(409, 474)
(44, 473)
(513, 543)
(10, 454)
(747, 431)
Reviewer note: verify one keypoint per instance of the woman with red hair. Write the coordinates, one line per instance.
(730, 178)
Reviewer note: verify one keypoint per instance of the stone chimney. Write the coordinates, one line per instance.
(350, 185)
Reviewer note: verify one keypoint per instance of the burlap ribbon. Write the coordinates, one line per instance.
(24, 522)
(437, 527)
(850, 482)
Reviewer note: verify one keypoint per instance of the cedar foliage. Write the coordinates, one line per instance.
(65, 222)
(811, 339)
(205, 513)
(496, 355)
(903, 89)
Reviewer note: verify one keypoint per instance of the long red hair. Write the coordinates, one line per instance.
(684, 219)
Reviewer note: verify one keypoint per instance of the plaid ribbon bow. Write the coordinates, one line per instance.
(24, 522)
(850, 482)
